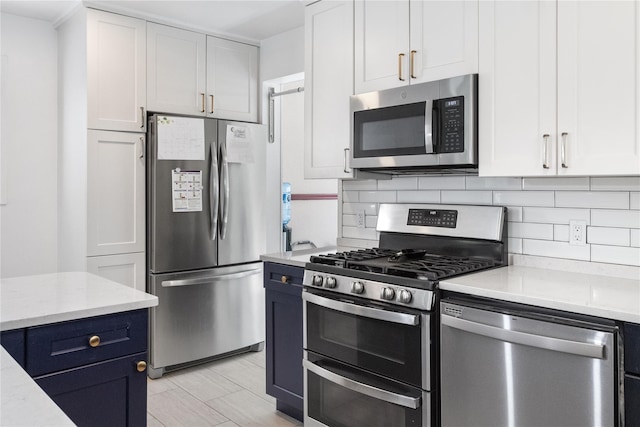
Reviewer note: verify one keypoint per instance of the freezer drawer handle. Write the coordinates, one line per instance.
(209, 279)
(375, 392)
(595, 351)
(358, 310)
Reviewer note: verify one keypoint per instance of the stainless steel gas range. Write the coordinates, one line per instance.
(371, 318)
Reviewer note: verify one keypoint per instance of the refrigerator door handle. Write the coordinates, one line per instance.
(214, 187)
(225, 188)
(209, 279)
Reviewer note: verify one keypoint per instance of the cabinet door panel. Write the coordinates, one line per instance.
(115, 193)
(116, 71)
(598, 87)
(517, 88)
(232, 80)
(127, 269)
(175, 70)
(444, 36)
(381, 35)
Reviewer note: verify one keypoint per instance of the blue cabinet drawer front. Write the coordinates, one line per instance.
(13, 342)
(283, 278)
(65, 345)
(632, 348)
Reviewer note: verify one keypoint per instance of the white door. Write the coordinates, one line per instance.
(443, 40)
(116, 72)
(328, 85)
(232, 80)
(127, 269)
(517, 92)
(176, 70)
(115, 193)
(598, 87)
(381, 49)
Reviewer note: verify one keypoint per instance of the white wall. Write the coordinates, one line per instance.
(29, 147)
(282, 54)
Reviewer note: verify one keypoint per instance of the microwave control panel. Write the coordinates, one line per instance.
(451, 125)
(433, 218)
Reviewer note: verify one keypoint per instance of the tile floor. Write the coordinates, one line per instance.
(225, 393)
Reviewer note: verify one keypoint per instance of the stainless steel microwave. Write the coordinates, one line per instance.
(422, 127)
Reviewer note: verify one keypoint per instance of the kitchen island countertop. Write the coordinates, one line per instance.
(594, 295)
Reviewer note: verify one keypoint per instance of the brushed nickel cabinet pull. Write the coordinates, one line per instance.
(142, 117)
(563, 150)
(412, 61)
(203, 106)
(545, 163)
(94, 341)
(211, 111)
(345, 170)
(400, 57)
(141, 147)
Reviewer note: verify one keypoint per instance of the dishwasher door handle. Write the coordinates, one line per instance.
(371, 391)
(577, 348)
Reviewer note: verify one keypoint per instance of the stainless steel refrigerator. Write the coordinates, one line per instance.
(205, 233)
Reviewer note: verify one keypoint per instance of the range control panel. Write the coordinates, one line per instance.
(433, 218)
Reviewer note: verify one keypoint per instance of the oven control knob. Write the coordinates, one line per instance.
(404, 296)
(317, 280)
(330, 282)
(357, 287)
(388, 294)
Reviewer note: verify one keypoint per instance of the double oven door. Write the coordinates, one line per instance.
(365, 363)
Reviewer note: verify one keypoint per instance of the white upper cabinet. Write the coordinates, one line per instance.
(116, 72)
(558, 88)
(190, 73)
(232, 80)
(176, 70)
(408, 41)
(328, 85)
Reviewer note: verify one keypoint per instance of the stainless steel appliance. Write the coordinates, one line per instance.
(510, 365)
(370, 316)
(206, 231)
(427, 126)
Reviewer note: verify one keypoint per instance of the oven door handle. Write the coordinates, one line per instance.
(358, 310)
(375, 392)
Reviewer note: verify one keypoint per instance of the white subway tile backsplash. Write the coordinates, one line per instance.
(530, 230)
(353, 208)
(523, 198)
(556, 183)
(367, 184)
(635, 237)
(482, 183)
(620, 183)
(378, 196)
(561, 233)
(554, 215)
(555, 249)
(349, 221)
(466, 197)
(350, 196)
(360, 233)
(615, 255)
(634, 202)
(608, 236)
(592, 199)
(399, 183)
(514, 213)
(371, 221)
(615, 218)
(441, 183)
(418, 196)
(515, 245)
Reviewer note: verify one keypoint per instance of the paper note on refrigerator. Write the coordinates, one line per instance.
(180, 138)
(186, 187)
(239, 144)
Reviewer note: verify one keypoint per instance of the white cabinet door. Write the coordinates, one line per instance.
(116, 72)
(598, 87)
(328, 85)
(443, 40)
(232, 80)
(176, 70)
(115, 193)
(381, 46)
(127, 269)
(516, 88)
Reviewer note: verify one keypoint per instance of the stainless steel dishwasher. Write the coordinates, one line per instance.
(506, 365)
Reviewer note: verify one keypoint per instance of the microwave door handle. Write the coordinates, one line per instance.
(435, 127)
(428, 128)
(366, 389)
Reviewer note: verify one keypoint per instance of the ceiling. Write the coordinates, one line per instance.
(252, 20)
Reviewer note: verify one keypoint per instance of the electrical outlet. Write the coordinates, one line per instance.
(577, 232)
(360, 219)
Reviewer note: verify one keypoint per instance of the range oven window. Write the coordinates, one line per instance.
(390, 131)
(391, 349)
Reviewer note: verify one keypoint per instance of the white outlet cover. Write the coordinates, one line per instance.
(360, 219)
(577, 232)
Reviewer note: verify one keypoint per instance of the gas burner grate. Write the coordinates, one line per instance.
(436, 267)
(340, 259)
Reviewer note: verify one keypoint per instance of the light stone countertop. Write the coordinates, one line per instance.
(297, 258)
(51, 298)
(594, 295)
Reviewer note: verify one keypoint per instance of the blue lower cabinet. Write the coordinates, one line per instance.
(13, 342)
(110, 393)
(283, 286)
(632, 401)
